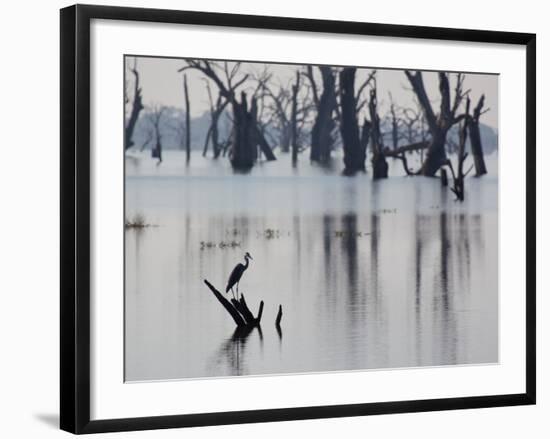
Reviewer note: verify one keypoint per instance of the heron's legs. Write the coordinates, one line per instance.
(232, 292)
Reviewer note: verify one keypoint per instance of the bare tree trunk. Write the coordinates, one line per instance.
(242, 156)
(444, 178)
(156, 119)
(207, 141)
(458, 178)
(321, 134)
(137, 106)
(247, 136)
(378, 160)
(293, 116)
(475, 139)
(253, 136)
(354, 154)
(436, 155)
(187, 121)
(438, 125)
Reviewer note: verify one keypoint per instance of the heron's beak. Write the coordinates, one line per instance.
(250, 257)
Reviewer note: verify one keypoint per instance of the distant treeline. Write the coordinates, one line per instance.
(172, 127)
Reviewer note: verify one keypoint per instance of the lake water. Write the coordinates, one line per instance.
(370, 275)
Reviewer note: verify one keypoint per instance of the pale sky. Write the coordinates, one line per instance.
(163, 85)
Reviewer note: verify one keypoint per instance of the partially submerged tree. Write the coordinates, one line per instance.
(294, 119)
(475, 137)
(137, 106)
(246, 134)
(322, 139)
(278, 104)
(440, 123)
(354, 139)
(187, 120)
(154, 116)
(378, 160)
(459, 175)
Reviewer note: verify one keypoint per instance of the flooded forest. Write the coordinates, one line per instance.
(284, 218)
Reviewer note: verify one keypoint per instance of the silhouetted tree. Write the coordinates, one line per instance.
(378, 160)
(137, 106)
(459, 175)
(294, 118)
(354, 140)
(154, 116)
(475, 137)
(246, 134)
(439, 124)
(279, 106)
(322, 139)
(187, 120)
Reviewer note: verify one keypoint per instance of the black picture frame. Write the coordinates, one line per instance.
(76, 210)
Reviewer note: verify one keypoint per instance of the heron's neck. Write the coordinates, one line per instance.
(246, 263)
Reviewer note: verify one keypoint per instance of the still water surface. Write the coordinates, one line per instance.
(369, 274)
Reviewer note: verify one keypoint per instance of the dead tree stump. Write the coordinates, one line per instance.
(444, 178)
(238, 309)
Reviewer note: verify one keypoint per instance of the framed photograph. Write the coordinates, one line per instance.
(273, 218)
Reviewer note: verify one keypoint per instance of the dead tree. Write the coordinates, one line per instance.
(279, 103)
(322, 140)
(293, 118)
(395, 152)
(475, 138)
(155, 117)
(187, 121)
(238, 309)
(378, 160)
(354, 157)
(354, 140)
(137, 106)
(289, 110)
(459, 175)
(439, 124)
(246, 134)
